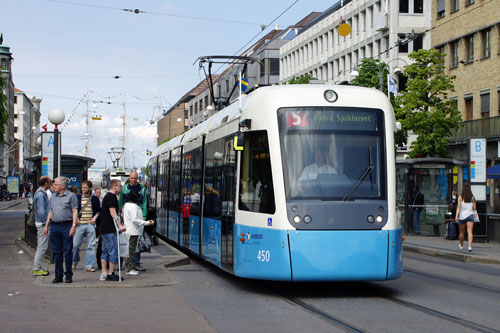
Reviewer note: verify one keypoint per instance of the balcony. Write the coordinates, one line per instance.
(484, 128)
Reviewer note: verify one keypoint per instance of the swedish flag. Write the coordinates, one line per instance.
(148, 152)
(243, 84)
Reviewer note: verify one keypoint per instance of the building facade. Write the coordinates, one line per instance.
(6, 156)
(468, 33)
(26, 129)
(383, 29)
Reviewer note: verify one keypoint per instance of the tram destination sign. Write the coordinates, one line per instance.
(332, 119)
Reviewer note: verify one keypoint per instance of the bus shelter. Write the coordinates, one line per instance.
(424, 191)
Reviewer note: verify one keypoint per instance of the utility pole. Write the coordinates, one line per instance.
(123, 132)
(86, 135)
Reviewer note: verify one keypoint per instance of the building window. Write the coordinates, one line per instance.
(15, 99)
(469, 47)
(418, 43)
(486, 39)
(418, 6)
(469, 2)
(440, 8)
(206, 101)
(196, 108)
(455, 5)
(403, 6)
(454, 54)
(263, 68)
(485, 105)
(274, 64)
(469, 110)
(15, 129)
(4, 64)
(190, 110)
(403, 48)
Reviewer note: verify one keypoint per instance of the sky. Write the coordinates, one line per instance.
(62, 49)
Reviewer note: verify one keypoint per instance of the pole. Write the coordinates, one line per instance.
(381, 77)
(56, 152)
(87, 126)
(123, 132)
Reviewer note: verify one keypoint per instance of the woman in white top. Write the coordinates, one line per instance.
(132, 217)
(465, 215)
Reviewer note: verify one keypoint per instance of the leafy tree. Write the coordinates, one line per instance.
(4, 113)
(369, 74)
(301, 79)
(424, 107)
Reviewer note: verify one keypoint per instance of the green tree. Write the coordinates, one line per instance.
(424, 107)
(4, 113)
(369, 74)
(301, 79)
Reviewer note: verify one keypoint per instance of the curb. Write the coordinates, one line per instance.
(449, 255)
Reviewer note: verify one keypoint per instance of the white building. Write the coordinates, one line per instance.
(377, 27)
(26, 128)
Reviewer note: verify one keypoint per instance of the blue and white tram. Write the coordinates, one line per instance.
(293, 183)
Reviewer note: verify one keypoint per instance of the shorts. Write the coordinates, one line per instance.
(109, 248)
(469, 218)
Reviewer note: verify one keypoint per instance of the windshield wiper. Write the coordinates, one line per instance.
(368, 171)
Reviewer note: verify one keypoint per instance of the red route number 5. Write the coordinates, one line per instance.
(296, 119)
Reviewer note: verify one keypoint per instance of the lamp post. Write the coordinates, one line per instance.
(56, 117)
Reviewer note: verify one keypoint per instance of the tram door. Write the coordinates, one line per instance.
(227, 198)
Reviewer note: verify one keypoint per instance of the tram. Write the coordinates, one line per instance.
(291, 183)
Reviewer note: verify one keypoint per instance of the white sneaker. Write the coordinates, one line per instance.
(460, 247)
(103, 277)
(132, 272)
(470, 249)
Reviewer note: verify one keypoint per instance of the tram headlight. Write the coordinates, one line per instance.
(307, 219)
(370, 219)
(297, 219)
(330, 95)
(380, 218)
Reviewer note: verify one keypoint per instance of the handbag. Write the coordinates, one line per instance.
(124, 239)
(476, 216)
(144, 243)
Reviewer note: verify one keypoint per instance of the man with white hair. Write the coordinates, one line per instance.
(62, 219)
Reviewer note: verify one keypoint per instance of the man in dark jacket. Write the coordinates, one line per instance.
(89, 209)
(417, 203)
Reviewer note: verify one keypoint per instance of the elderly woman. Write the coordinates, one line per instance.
(132, 217)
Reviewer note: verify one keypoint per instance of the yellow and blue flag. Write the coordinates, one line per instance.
(149, 152)
(243, 84)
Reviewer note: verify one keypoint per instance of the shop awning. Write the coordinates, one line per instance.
(493, 172)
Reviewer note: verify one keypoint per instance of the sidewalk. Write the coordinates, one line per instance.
(483, 253)
(4, 204)
(156, 263)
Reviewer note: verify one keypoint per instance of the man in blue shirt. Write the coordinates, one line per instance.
(41, 210)
(62, 218)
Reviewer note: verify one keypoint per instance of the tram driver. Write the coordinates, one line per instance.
(320, 165)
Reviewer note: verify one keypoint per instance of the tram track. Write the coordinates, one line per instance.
(348, 327)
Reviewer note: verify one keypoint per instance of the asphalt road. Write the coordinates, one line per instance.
(433, 295)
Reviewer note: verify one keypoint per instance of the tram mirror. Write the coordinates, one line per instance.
(239, 141)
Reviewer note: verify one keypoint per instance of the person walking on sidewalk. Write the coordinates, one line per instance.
(417, 202)
(89, 209)
(62, 220)
(135, 186)
(133, 219)
(465, 216)
(41, 210)
(107, 231)
(51, 190)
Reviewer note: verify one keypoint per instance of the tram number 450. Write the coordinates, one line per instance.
(264, 255)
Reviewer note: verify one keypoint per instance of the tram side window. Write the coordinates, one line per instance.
(256, 181)
(212, 203)
(175, 183)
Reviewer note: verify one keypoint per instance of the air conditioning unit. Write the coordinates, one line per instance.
(380, 21)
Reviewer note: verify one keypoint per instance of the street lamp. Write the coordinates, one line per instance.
(56, 117)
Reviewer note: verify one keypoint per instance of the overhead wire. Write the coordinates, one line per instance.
(139, 11)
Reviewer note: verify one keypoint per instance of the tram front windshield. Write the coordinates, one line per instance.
(333, 153)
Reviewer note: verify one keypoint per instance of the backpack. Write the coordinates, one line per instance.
(451, 230)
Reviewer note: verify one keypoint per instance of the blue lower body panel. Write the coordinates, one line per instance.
(339, 255)
(395, 259)
(263, 254)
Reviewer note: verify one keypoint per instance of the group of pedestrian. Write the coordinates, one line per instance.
(65, 219)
